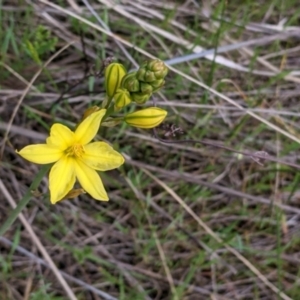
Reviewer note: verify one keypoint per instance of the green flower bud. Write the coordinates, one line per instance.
(157, 84)
(152, 70)
(131, 83)
(144, 75)
(146, 118)
(162, 73)
(146, 88)
(139, 98)
(155, 65)
(114, 74)
(122, 98)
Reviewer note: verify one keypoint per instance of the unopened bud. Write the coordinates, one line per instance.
(146, 118)
(130, 83)
(140, 98)
(122, 98)
(114, 74)
(152, 70)
(146, 88)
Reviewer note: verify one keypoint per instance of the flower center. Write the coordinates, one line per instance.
(75, 151)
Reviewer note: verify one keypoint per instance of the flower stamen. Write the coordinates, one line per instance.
(75, 151)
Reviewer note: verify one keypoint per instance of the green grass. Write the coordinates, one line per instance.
(112, 245)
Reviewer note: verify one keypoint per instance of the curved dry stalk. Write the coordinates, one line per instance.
(36, 75)
(38, 243)
(186, 76)
(234, 103)
(103, 24)
(213, 186)
(209, 231)
(40, 261)
(258, 156)
(158, 244)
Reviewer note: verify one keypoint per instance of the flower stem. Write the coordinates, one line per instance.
(110, 110)
(25, 200)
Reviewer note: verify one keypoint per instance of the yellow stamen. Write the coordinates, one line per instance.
(75, 151)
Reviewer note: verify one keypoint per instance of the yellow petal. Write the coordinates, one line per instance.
(61, 179)
(89, 127)
(101, 156)
(90, 181)
(60, 136)
(41, 153)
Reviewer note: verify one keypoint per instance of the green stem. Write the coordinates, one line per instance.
(110, 110)
(108, 102)
(25, 200)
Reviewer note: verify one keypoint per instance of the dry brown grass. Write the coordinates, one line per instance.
(184, 221)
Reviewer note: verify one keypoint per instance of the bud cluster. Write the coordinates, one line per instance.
(149, 78)
(123, 88)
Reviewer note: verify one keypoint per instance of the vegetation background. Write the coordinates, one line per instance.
(184, 220)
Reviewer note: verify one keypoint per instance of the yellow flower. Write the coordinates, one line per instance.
(146, 118)
(75, 157)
